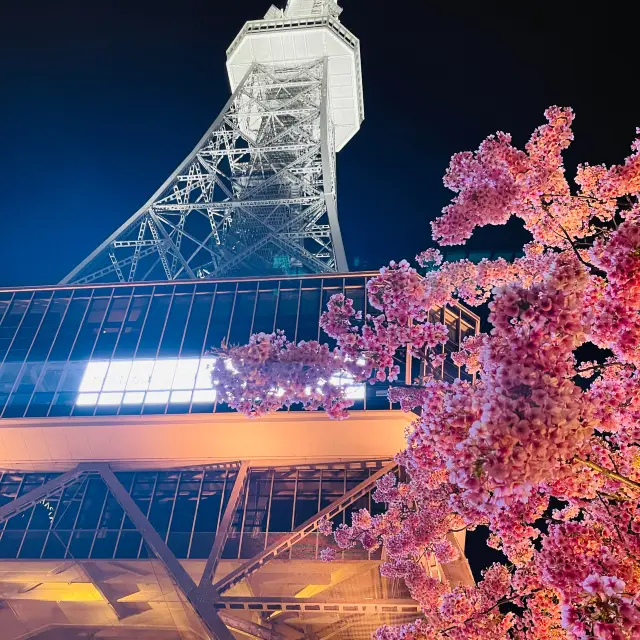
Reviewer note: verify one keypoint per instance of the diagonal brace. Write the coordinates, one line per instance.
(306, 528)
(225, 525)
(34, 496)
(182, 579)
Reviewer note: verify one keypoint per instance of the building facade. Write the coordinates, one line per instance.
(134, 505)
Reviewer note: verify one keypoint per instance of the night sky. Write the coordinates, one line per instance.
(100, 101)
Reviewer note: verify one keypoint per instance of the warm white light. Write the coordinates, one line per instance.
(204, 395)
(156, 397)
(162, 377)
(87, 399)
(133, 397)
(185, 376)
(93, 376)
(175, 380)
(140, 375)
(117, 376)
(203, 380)
(110, 398)
(181, 396)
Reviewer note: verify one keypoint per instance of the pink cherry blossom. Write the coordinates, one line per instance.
(541, 445)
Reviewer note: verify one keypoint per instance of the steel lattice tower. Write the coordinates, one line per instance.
(257, 195)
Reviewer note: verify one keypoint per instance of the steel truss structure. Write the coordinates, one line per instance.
(218, 613)
(257, 195)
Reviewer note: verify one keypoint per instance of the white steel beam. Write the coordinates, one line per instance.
(29, 499)
(310, 605)
(268, 157)
(301, 532)
(201, 605)
(225, 525)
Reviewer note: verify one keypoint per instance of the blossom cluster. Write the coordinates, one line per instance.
(542, 445)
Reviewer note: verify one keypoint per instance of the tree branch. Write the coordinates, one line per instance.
(610, 474)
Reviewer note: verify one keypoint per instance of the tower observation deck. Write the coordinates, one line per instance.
(257, 195)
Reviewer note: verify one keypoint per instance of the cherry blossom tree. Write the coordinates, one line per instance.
(543, 446)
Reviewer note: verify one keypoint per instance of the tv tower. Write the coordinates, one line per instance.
(257, 195)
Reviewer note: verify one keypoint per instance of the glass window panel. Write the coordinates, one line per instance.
(204, 396)
(116, 378)
(157, 397)
(8, 375)
(242, 317)
(27, 331)
(67, 334)
(29, 377)
(307, 496)
(20, 520)
(163, 372)
(87, 399)
(33, 544)
(110, 398)
(265, 311)
(93, 377)
(180, 396)
(140, 375)
(282, 504)
(308, 323)
(150, 338)
(111, 328)
(163, 499)
(50, 378)
(203, 380)
(257, 502)
(16, 405)
(112, 514)
(68, 506)
(193, 343)
(56, 544)
(10, 324)
(92, 504)
(43, 514)
(184, 510)
(179, 544)
(80, 544)
(286, 318)
(4, 305)
(73, 374)
(130, 334)
(201, 545)
(219, 325)
(210, 501)
(90, 329)
(104, 544)
(185, 375)
(10, 543)
(176, 324)
(128, 545)
(133, 397)
(48, 329)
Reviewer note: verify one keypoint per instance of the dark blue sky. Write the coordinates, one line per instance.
(100, 101)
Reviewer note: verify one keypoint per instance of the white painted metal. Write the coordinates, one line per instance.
(258, 193)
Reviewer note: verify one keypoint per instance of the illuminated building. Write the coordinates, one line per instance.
(107, 378)
(132, 504)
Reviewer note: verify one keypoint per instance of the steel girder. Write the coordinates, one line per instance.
(311, 605)
(305, 529)
(257, 195)
(199, 599)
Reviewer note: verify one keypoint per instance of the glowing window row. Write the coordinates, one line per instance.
(179, 380)
(171, 380)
